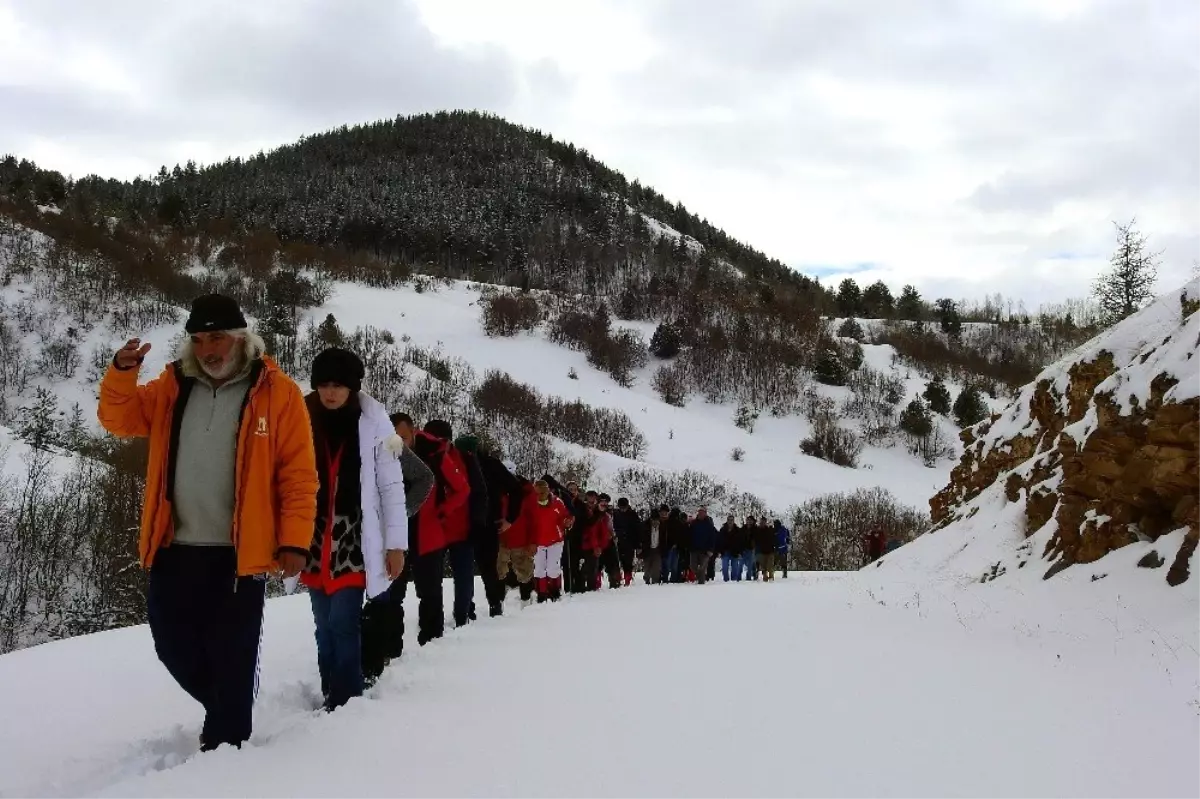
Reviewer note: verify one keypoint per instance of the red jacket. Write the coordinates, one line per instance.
(546, 522)
(445, 518)
(598, 532)
(875, 542)
(518, 533)
(456, 509)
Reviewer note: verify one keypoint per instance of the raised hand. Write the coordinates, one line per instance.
(132, 353)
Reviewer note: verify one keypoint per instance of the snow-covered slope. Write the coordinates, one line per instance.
(700, 436)
(1097, 454)
(821, 685)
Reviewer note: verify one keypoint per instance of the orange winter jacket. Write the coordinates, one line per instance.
(276, 484)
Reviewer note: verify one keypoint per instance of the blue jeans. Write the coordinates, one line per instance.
(726, 566)
(672, 564)
(462, 565)
(338, 617)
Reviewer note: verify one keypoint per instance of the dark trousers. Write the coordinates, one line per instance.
(611, 562)
(588, 571)
(572, 555)
(338, 618)
(207, 625)
(626, 550)
(487, 550)
(462, 566)
(425, 572)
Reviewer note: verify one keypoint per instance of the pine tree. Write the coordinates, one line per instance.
(969, 407)
(329, 334)
(877, 301)
(745, 417)
(1129, 283)
(849, 298)
(915, 419)
(74, 432)
(948, 318)
(39, 423)
(850, 328)
(666, 341)
(909, 307)
(937, 395)
(829, 368)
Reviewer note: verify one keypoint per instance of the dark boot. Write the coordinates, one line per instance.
(495, 610)
(556, 589)
(526, 590)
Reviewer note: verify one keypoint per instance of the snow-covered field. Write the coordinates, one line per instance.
(895, 681)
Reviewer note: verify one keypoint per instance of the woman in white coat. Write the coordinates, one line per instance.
(361, 531)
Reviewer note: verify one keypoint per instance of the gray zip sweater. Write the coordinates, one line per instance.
(205, 462)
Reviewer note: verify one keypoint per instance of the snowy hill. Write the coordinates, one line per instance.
(1097, 455)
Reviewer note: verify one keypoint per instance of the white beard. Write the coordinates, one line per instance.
(225, 370)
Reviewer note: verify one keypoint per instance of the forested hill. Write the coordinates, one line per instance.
(463, 191)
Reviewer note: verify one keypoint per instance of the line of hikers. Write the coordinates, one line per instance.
(248, 476)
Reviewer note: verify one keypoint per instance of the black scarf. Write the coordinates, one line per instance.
(333, 430)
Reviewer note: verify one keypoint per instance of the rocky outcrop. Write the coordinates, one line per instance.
(1104, 446)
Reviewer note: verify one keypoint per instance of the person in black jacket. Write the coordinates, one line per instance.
(655, 545)
(502, 490)
(726, 541)
(749, 558)
(627, 527)
(764, 547)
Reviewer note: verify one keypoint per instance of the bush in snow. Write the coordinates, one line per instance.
(509, 314)
(686, 489)
(851, 329)
(745, 418)
(670, 381)
(502, 402)
(827, 530)
(969, 407)
(830, 368)
(619, 355)
(738, 454)
(937, 395)
(833, 443)
(852, 356)
(499, 397)
(666, 341)
(932, 447)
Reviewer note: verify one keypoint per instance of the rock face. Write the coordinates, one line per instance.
(1104, 445)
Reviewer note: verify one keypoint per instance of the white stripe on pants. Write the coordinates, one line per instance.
(548, 561)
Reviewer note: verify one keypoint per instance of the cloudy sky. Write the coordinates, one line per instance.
(965, 146)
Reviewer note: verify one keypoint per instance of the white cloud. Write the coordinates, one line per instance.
(965, 147)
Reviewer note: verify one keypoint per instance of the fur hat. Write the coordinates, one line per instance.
(336, 365)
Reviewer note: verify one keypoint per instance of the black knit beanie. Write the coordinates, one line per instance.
(214, 312)
(336, 365)
(439, 428)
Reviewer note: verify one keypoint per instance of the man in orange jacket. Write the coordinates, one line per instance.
(231, 488)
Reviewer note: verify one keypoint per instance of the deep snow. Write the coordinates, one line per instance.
(879, 683)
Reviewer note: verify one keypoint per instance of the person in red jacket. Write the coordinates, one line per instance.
(548, 520)
(517, 547)
(430, 530)
(453, 491)
(597, 534)
(874, 545)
